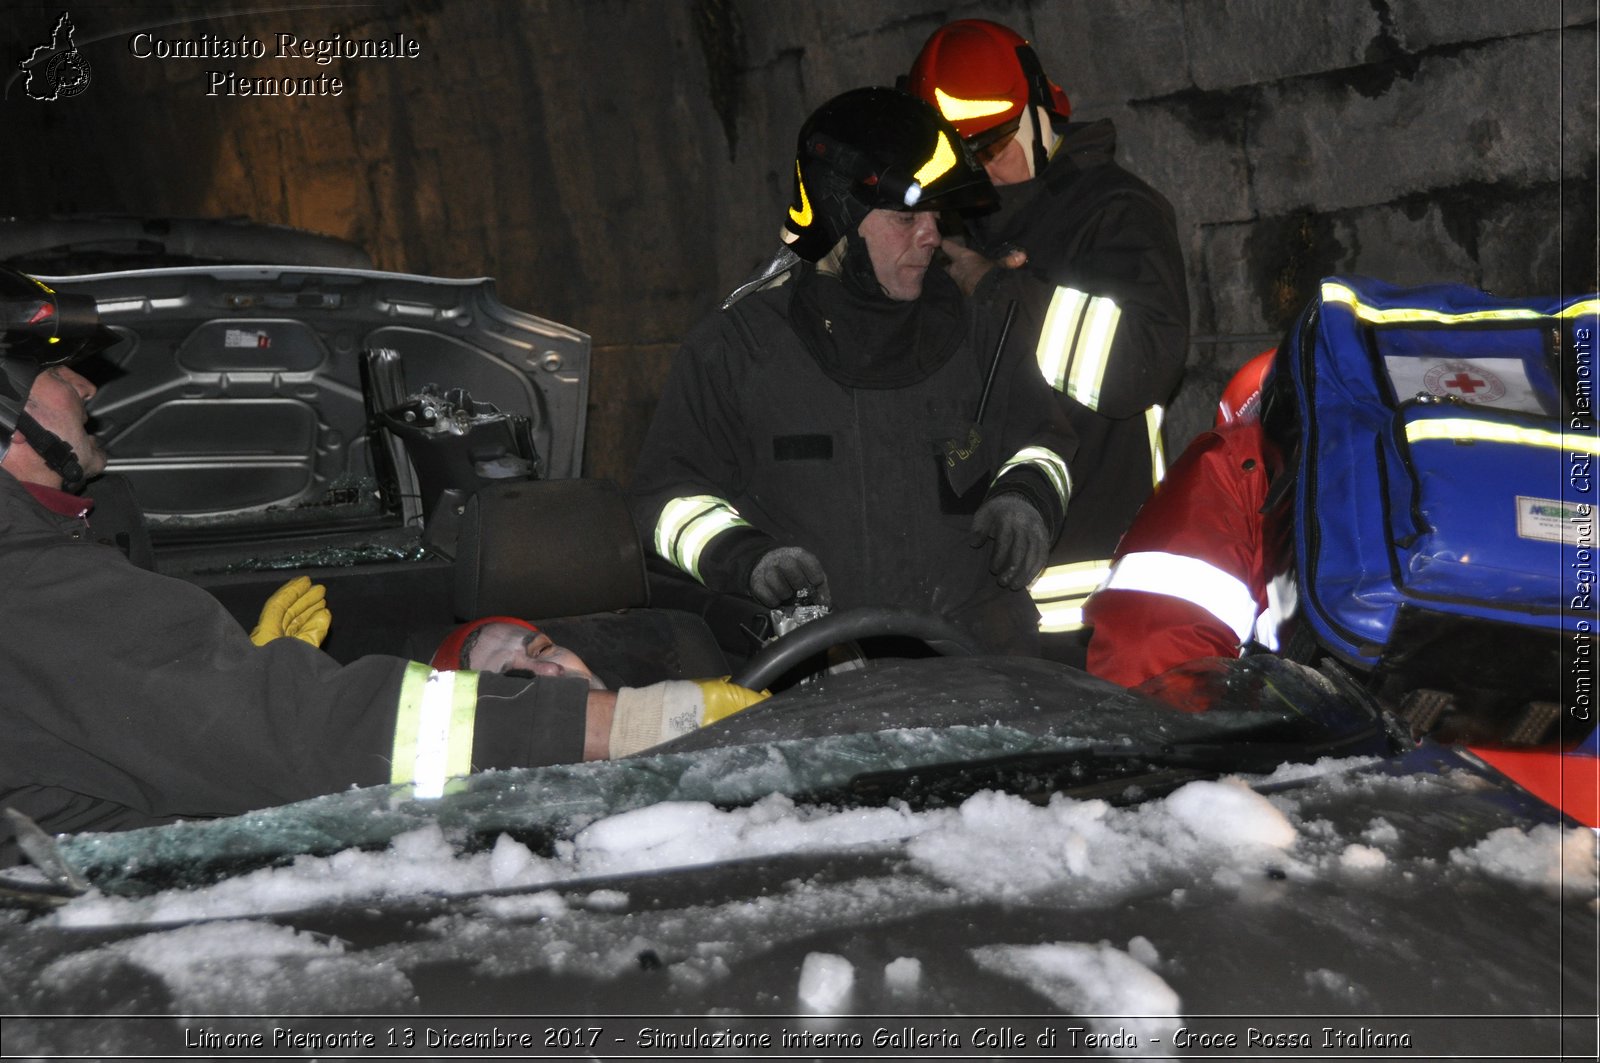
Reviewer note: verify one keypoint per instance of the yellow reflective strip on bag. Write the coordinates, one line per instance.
(1467, 430)
(1338, 293)
(1056, 337)
(1093, 351)
(1046, 461)
(1154, 417)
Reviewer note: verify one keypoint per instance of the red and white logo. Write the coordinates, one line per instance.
(1469, 383)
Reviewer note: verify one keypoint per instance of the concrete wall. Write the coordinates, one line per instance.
(619, 164)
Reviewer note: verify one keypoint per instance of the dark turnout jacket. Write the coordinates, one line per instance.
(132, 698)
(1106, 303)
(759, 440)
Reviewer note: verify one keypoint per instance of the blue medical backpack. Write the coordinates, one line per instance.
(1445, 486)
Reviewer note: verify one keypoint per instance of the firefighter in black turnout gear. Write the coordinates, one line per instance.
(42, 329)
(854, 428)
(1090, 252)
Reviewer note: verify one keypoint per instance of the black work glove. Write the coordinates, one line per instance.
(1020, 539)
(784, 572)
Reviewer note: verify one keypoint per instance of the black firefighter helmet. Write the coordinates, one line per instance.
(41, 328)
(877, 148)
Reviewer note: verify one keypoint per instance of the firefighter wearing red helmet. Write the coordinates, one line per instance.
(1094, 262)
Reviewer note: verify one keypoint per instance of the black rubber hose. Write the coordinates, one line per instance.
(778, 657)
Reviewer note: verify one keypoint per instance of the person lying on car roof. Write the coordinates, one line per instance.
(134, 698)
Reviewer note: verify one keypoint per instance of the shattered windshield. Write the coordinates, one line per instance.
(748, 874)
(922, 734)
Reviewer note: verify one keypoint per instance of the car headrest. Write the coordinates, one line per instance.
(542, 548)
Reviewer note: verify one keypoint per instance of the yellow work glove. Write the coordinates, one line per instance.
(723, 699)
(647, 716)
(296, 610)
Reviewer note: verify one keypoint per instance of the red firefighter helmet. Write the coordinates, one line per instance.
(982, 76)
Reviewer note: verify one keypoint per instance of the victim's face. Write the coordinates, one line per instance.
(510, 648)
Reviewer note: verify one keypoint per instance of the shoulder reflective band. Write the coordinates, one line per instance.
(1223, 595)
(687, 524)
(1060, 592)
(1046, 461)
(938, 164)
(1075, 343)
(1338, 293)
(1467, 430)
(433, 729)
(956, 109)
(1153, 418)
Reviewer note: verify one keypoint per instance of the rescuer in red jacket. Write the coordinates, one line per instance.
(1206, 570)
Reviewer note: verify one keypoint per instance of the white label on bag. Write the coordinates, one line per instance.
(1549, 520)
(1499, 382)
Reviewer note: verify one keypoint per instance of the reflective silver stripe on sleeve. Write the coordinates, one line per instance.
(1046, 461)
(1075, 343)
(433, 728)
(687, 524)
(1153, 419)
(1189, 579)
(1060, 592)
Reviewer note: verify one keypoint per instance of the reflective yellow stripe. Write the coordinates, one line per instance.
(1467, 430)
(802, 217)
(1059, 618)
(433, 728)
(1153, 418)
(944, 157)
(957, 109)
(1339, 293)
(1048, 462)
(1055, 338)
(687, 524)
(1060, 592)
(1075, 343)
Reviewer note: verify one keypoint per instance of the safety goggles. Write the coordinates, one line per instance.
(988, 145)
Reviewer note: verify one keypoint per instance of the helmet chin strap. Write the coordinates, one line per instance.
(54, 451)
(1043, 140)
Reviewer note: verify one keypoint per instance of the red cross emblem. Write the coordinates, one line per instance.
(1465, 382)
(1471, 383)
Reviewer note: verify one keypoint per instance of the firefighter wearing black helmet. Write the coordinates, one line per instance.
(133, 698)
(822, 433)
(42, 332)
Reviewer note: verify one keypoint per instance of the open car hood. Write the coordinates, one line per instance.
(238, 402)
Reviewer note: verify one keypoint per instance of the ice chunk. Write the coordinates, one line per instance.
(1362, 858)
(903, 976)
(1117, 996)
(1231, 814)
(1561, 860)
(1140, 948)
(826, 981)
